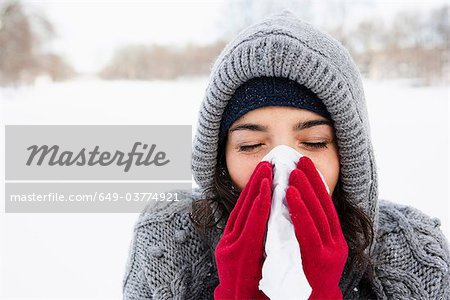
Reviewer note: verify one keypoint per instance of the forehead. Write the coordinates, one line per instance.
(276, 119)
(269, 114)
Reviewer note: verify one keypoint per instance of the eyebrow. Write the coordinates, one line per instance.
(299, 126)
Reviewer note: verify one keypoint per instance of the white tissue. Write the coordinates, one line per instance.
(282, 272)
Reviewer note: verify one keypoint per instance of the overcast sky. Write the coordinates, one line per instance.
(89, 31)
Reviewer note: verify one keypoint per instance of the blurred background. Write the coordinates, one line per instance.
(147, 62)
(62, 40)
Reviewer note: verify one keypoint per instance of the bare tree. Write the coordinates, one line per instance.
(22, 36)
(17, 60)
(239, 14)
(144, 62)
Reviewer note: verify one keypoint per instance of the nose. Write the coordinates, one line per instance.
(285, 138)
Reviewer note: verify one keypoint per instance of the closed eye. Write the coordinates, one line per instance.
(318, 145)
(245, 148)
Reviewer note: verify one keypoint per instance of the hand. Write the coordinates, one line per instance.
(322, 244)
(239, 253)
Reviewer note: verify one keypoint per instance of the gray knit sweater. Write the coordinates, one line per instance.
(169, 259)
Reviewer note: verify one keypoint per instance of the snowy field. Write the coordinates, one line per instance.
(84, 255)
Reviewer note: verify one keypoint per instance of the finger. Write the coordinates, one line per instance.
(304, 226)
(256, 224)
(241, 200)
(240, 212)
(265, 172)
(307, 166)
(309, 169)
(312, 202)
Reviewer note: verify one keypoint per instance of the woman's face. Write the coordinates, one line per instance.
(257, 132)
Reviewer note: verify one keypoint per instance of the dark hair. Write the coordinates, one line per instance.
(357, 227)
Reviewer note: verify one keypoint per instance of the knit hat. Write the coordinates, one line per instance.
(268, 91)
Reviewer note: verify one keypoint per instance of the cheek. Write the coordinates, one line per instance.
(240, 168)
(329, 167)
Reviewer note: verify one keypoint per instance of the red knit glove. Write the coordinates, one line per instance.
(322, 244)
(239, 253)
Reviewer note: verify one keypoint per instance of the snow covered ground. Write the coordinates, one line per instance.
(84, 255)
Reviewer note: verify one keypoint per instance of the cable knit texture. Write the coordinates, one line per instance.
(170, 260)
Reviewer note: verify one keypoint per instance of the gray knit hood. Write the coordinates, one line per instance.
(284, 46)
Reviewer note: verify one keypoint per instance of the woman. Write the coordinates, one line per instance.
(282, 81)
